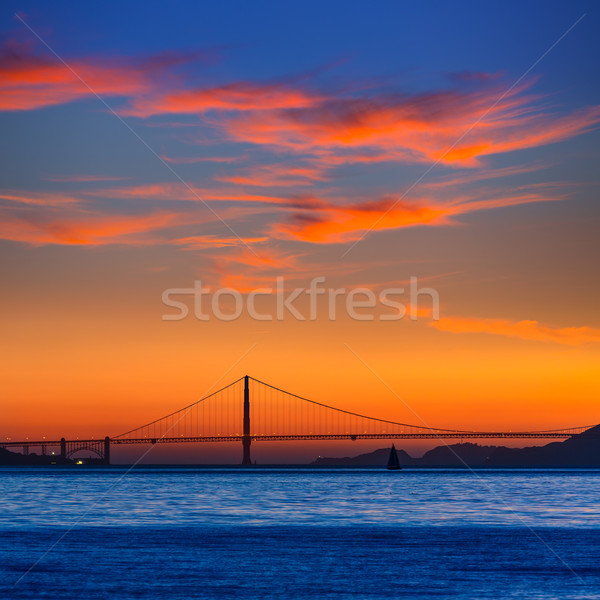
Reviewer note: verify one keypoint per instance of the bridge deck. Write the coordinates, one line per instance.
(306, 437)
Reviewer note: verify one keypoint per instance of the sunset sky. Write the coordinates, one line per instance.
(147, 148)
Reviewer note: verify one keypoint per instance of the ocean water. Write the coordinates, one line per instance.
(78, 533)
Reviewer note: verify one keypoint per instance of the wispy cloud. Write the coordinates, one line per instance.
(414, 128)
(276, 175)
(356, 122)
(29, 80)
(166, 192)
(524, 330)
(237, 96)
(82, 229)
(321, 221)
(37, 198)
(190, 160)
(86, 219)
(82, 178)
(244, 270)
(212, 242)
(481, 175)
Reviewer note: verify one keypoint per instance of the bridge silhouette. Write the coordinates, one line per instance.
(248, 410)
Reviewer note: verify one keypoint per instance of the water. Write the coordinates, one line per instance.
(188, 533)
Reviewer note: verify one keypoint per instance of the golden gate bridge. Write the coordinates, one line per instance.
(248, 410)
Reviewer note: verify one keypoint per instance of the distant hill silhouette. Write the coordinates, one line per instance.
(472, 454)
(14, 458)
(379, 457)
(581, 450)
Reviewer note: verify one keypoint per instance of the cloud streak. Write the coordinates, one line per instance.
(82, 178)
(83, 229)
(29, 81)
(323, 222)
(357, 120)
(524, 330)
(414, 128)
(237, 96)
(211, 242)
(276, 175)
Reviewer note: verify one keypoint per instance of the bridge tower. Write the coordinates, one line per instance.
(107, 450)
(246, 438)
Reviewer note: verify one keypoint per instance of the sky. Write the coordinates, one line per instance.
(146, 147)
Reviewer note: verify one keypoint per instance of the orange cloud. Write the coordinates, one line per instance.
(190, 160)
(345, 223)
(83, 230)
(453, 127)
(83, 178)
(456, 126)
(29, 81)
(238, 96)
(55, 218)
(481, 175)
(318, 221)
(524, 330)
(180, 192)
(203, 242)
(38, 198)
(245, 270)
(275, 175)
(85, 219)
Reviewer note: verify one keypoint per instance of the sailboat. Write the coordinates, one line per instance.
(393, 462)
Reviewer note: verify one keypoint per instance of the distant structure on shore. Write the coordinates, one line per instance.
(8, 458)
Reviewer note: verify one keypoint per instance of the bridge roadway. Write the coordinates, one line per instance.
(308, 436)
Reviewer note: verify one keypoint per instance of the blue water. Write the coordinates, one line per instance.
(187, 533)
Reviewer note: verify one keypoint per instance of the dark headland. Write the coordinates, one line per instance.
(581, 450)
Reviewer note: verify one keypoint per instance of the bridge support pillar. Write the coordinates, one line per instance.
(63, 448)
(246, 438)
(107, 450)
